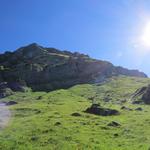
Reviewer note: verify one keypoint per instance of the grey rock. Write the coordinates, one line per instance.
(11, 103)
(57, 123)
(46, 69)
(76, 114)
(139, 109)
(114, 124)
(126, 108)
(7, 89)
(98, 110)
(142, 95)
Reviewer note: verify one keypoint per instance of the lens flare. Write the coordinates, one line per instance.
(145, 38)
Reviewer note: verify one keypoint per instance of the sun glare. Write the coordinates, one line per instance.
(145, 38)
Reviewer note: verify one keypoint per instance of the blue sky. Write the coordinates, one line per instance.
(104, 29)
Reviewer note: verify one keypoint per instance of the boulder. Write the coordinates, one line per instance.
(57, 123)
(116, 135)
(11, 103)
(76, 114)
(39, 97)
(146, 95)
(137, 102)
(98, 110)
(142, 95)
(139, 109)
(114, 124)
(126, 108)
(16, 86)
(5, 90)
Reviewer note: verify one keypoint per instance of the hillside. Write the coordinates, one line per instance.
(46, 121)
(59, 100)
(47, 69)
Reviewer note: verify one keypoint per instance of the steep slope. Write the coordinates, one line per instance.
(49, 69)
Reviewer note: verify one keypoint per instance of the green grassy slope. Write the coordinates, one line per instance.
(43, 121)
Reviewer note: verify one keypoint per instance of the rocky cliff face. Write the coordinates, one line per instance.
(49, 69)
(142, 95)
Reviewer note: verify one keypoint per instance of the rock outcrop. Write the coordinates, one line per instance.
(142, 95)
(11, 103)
(7, 89)
(146, 95)
(48, 69)
(114, 124)
(98, 110)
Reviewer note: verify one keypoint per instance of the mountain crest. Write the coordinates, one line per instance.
(30, 50)
(49, 68)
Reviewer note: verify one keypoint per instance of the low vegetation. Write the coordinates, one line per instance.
(57, 120)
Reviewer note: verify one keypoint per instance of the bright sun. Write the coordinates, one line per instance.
(145, 38)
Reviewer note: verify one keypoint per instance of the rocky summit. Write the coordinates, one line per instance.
(46, 69)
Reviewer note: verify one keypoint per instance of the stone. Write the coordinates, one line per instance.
(116, 135)
(146, 95)
(39, 97)
(142, 95)
(98, 110)
(76, 114)
(57, 123)
(126, 108)
(5, 92)
(11, 103)
(16, 86)
(114, 124)
(137, 102)
(139, 109)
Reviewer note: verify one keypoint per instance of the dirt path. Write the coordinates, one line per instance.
(5, 115)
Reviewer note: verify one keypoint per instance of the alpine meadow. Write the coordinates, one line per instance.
(80, 77)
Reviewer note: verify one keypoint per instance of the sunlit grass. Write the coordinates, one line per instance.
(43, 121)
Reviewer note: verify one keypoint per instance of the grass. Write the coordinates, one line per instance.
(43, 121)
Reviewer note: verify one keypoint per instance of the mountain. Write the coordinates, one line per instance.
(48, 68)
(85, 116)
